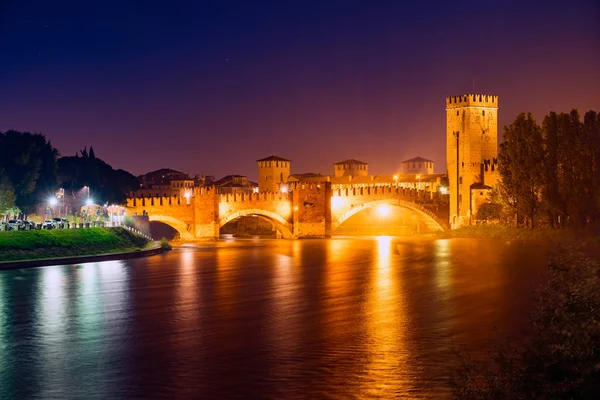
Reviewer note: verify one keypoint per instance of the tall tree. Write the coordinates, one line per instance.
(7, 195)
(591, 132)
(553, 202)
(29, 162)
(520, 163)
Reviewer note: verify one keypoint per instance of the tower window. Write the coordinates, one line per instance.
(457, 112)
(483, 113)
(460, 180)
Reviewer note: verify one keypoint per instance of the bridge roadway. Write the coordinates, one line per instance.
(307, 209)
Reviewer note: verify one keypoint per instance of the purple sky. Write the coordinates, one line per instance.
(212, 88)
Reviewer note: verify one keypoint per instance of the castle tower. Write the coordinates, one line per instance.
(272, 172)
(350, 167)
(471, 149)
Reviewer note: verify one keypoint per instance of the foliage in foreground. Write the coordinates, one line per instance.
(560, 358)
(29, 245)
(164, 244)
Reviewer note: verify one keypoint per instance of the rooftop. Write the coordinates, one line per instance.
(418, 159)
(273, 158)
(351, 161)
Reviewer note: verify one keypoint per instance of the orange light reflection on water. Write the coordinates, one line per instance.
(386, 325)
(187, 290)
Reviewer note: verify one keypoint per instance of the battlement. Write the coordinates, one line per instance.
(473, 100)
(254, 197)
(172, 201)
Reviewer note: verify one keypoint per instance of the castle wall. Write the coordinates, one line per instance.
(305, 211)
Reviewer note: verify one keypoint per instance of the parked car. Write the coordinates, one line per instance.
(29, 224)
(15, 224)
(48, 224)
(60, 222)
(4, 226)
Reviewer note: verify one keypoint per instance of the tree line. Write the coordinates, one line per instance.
(32, 170)
(550, 172)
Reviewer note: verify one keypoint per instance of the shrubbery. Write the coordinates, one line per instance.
(164, 244)
(560, 358)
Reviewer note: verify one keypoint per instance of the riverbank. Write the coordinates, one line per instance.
(503, 232)
(66, 243)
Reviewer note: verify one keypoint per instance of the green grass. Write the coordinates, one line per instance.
(30, 245)
(588, 240)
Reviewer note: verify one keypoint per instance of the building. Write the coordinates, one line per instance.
(235, 184)
(417, 166)
(273, 171)
(350, 167)
(163, 183)
(471, 152)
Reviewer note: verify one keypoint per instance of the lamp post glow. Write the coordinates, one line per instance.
(383, 210)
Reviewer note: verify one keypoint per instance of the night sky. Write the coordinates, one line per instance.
(210, 87)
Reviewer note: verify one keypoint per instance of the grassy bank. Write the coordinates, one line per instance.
(508, 232)
(31, 245)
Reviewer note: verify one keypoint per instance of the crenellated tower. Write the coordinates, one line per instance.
(273, 171)
(471, 151)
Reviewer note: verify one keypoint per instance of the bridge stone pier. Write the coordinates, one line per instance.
(305, 210)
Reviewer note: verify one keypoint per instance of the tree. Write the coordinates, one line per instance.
(521, 165)
(591, 137)
(106, 183)
(29, 163)
(7, 195)
(553, 202)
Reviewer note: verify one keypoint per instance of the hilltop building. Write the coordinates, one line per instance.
(235, 184)
(471, 153)
(164, 182)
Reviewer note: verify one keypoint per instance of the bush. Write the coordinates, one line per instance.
(560, 357)
(489, 212)
(164, 244)
(128, 222)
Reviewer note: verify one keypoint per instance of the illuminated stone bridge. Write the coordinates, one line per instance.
(305, 210)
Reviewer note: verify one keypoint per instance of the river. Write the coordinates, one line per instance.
(375, 317)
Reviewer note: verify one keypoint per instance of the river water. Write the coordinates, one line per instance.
(376, 317)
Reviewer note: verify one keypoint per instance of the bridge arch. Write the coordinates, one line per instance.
(277, 220)
(429, 218)
(180, 226)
